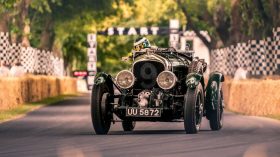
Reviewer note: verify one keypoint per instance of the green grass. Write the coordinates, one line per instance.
(25, 108)
(274, 116)
(268, 116)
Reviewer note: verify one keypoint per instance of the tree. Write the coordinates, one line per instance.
(258, 17)
(211, 15)
(7, 9)
(231, 21)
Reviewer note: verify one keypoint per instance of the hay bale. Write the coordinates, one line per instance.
(16, 91)
(10, 95)
(70, 87)
(254, 97)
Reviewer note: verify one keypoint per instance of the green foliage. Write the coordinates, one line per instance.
(74, 50)
(42, 5)
(255, 18)
(7, 5)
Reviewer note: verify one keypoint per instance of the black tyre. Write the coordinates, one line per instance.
(101, 110)
(216, 116)
(128, 125)
(193, 109)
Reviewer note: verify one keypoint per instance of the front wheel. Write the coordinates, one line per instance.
(101, 110)
(193, 109)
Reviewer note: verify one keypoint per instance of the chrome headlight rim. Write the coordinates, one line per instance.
(133, 79)
(173, 83)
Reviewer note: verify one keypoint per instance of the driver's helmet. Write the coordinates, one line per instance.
(141, 43)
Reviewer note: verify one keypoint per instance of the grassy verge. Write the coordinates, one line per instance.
(277, 116)
(25, 108)
(274, 116)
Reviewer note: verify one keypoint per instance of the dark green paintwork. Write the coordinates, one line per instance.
(212, 90)
(193, 80)
(101, 78)
(105, 78)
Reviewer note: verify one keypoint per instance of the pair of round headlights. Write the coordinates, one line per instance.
(165, 80)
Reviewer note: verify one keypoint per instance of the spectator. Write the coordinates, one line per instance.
(17, 70)
(240, 73)
(4, 70)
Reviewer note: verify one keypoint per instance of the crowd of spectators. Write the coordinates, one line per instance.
(13, 70)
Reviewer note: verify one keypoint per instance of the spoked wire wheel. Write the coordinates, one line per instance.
(193, 109)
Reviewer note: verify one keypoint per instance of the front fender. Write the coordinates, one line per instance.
(103, 77)
(193, 80)
(212, 90)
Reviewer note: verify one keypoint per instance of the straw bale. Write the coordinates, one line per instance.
(253, 97)
(16, 91)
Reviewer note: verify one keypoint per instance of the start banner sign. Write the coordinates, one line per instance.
(135, 31)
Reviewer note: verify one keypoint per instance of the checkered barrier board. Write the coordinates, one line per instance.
(33, 60)
(260, 57)
(28, 59)
(276, 39)
(42, 62)
(4, 46)
(14, 54)
(271, 57)
(58, 67)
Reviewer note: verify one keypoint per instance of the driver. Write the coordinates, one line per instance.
(141, 43)
(138, 45)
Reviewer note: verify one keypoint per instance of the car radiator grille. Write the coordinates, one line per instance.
(146, 73)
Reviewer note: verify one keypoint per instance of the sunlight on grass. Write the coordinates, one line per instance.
(25, 108)
(274, 116)
(51, 100)
(277, 116)
(8, 114)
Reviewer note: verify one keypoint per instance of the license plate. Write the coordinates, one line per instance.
(143, 112)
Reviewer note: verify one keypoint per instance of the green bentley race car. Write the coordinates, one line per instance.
(163, 85)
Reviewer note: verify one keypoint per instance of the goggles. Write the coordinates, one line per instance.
(139, 47)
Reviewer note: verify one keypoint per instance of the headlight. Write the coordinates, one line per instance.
(166, 80)
(125, 79)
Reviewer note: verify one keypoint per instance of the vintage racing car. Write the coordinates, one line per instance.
(164, 85)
